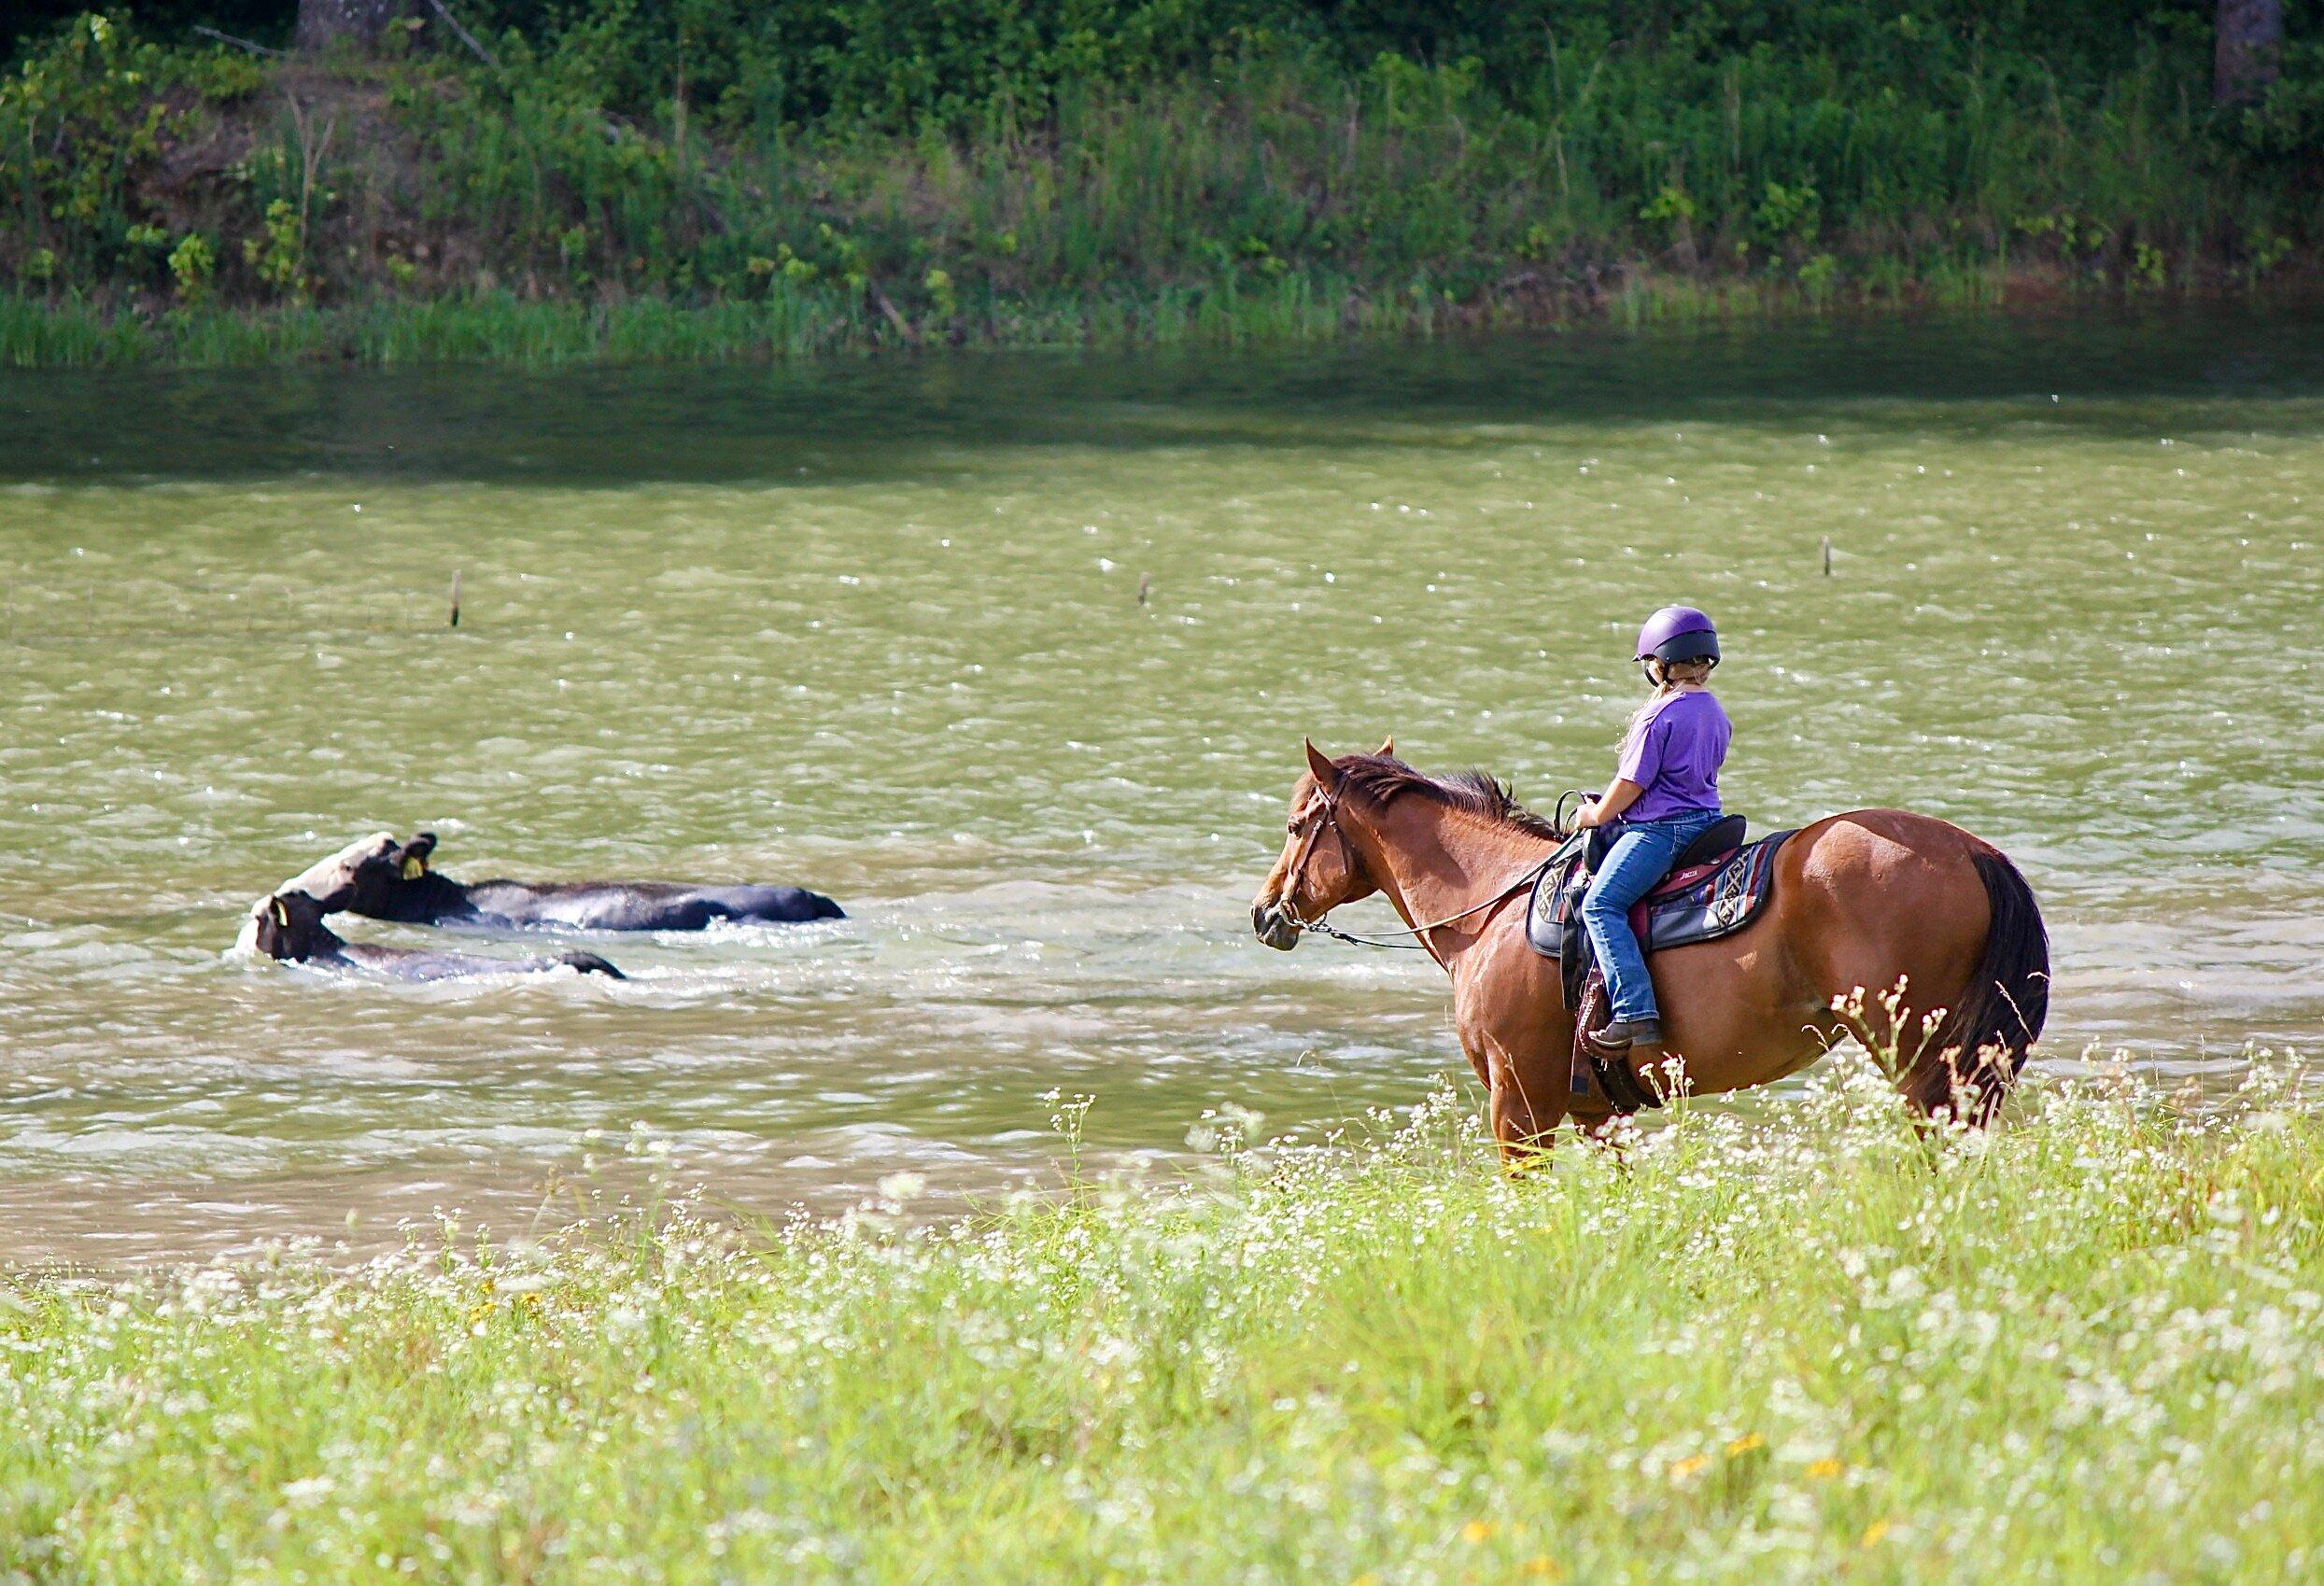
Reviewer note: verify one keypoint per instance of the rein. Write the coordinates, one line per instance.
(1325, 928)
(1329, 817)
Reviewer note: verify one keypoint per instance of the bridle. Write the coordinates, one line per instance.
(1327, 814)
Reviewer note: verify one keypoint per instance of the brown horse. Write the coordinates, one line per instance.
(1863, 903)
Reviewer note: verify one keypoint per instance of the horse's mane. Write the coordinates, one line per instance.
(1382, 776)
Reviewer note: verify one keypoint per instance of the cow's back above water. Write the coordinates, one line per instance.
(384, 879)
(643, 906)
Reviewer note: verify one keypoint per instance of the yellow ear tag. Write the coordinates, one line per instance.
(414, 868)
(282, 913)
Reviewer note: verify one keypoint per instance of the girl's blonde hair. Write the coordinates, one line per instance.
(1666, 684)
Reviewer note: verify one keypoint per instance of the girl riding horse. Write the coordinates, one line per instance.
(1665, 792)
(1919, 939)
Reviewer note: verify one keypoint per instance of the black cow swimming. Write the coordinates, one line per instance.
(288, 926)
(385, 879)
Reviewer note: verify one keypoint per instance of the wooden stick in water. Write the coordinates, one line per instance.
(1828, 555)
(1145, 582)
(456, 596)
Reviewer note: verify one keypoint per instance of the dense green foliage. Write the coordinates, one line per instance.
(1816, 1348)
(977, 169)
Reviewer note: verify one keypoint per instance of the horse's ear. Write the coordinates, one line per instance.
(1320, 767)
(1388, 747)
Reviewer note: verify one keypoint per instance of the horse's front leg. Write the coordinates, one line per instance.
(1499, 995)
(1524, 1107)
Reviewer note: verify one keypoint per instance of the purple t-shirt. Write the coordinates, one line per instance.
(1675, 754)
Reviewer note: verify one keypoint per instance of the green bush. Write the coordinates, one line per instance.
(191, 264)
(82, 123)
(1375, 164)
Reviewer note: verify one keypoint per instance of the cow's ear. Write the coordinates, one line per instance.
(1320, 767)
(416, 854)
(1388, 747)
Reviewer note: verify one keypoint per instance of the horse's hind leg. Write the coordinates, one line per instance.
(1908, 1026)
(1890, 982)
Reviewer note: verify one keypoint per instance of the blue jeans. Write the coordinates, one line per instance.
(1640, 857)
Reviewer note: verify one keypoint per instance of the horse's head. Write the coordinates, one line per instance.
(1318, 869)
(289, 925)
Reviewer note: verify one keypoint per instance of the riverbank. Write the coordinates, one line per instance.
(1816, 1347)
(597, 192)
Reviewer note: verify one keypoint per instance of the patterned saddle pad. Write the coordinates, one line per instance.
(1699, 904)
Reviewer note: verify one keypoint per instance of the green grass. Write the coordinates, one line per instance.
(494, 328)
(497, 328)
(1814, 1347)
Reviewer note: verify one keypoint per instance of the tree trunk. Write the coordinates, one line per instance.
(357, 24)
(2250, 41)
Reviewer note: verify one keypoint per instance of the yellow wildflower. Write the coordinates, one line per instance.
(1744, 1444)
(1824, 1469)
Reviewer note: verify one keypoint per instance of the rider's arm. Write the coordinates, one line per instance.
(1610, 803)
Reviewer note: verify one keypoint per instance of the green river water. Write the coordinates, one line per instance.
(875, 628)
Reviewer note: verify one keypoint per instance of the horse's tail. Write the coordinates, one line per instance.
(1976, 1055)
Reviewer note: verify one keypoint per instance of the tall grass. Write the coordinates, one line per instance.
(1818, 1347)
(789, 324)
(499, 327)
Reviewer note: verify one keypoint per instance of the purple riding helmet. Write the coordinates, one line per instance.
(1679, 633)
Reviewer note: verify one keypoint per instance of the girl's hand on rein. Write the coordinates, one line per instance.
(1608, 807)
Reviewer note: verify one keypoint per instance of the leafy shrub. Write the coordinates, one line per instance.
(278, 253)
(83, 125)
(192, 265)
(1786, 213)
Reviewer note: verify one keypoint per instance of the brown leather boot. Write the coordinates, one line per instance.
(1631, 1032)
